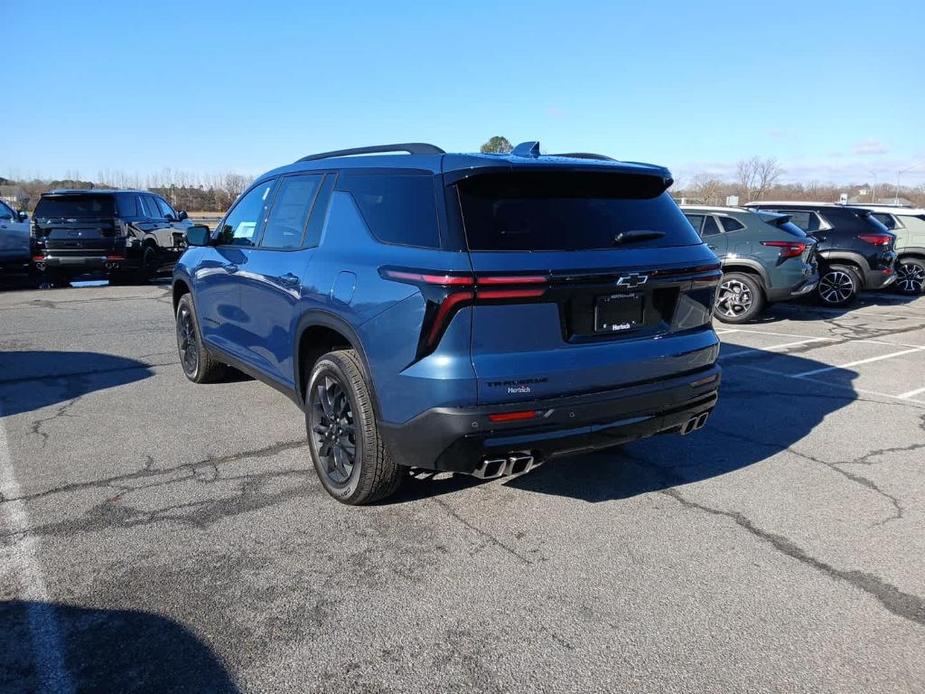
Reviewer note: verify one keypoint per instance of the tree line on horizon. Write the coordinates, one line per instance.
(755, 178)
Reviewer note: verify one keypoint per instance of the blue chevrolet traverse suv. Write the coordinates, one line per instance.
(472, 313)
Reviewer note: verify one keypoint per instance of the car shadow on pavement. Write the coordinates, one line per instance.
(808, 309)
(759, 414)
(31, 380)
(55, 647)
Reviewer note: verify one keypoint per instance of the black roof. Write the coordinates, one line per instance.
(93, 191)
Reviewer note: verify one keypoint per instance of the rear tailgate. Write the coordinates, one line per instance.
(585, 282)
(76, 224)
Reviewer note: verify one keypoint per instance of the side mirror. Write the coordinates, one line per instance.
(23, 216)
(197, 235)
(181, 216)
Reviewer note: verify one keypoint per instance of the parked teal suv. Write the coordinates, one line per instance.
(766, 258)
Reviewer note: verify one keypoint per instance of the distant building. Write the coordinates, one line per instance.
(13, 196)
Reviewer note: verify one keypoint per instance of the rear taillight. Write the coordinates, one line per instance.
(446, 293)
(788, 249)
(876, 239)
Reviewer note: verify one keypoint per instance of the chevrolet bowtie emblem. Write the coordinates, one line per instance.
(631, 281)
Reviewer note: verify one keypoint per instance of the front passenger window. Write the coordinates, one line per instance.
(241, 224)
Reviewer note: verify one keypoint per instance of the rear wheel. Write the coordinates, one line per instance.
(838, 285)
(910, 275)
(738, 299)
(349, 455)
(197, 363)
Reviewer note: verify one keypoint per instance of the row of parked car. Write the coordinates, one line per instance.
(779, 250)
(128, 235)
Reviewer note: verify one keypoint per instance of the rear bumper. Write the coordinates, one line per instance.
(801, 288)
(80, 263)
(458, 439)
(878, 279)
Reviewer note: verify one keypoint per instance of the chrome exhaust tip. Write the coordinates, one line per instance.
(490, 468)
(40, 267)
(516, 463)
(694, 423)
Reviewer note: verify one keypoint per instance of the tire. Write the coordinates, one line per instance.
(739, 298)
(838, 285)
(910, 276)
(339, 417)
(144, 274)
(195, 360)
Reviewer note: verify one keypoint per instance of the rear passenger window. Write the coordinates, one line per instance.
(241, 224)
(293, 203)
(129, 206)
(397, 208)
(710, 227)
(886, 220)
(807, 221)
(730, 224)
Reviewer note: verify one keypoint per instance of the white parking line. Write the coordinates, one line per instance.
(836, 386)
(858, 362)
(906, 396)
(47, 650)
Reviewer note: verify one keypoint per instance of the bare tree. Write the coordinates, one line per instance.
(756, 176)
(707, 188)
(234, 184)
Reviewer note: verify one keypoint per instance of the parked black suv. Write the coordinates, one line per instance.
(855, 251)
(129, 234)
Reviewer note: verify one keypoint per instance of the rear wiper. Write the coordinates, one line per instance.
(636, 235)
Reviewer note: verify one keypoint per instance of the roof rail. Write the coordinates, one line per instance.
(409, 147)
(585, 155)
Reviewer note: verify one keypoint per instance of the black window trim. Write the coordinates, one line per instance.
(277, 187)
(258, 233)
(722, 229)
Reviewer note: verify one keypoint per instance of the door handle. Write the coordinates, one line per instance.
(289, 280)
(230, 268)
(711, 247)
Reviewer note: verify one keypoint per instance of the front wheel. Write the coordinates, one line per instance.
(349, 455)
(197, 363)
(738, 299)
(910, 275)
(838, 285)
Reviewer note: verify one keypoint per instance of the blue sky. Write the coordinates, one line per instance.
(833, 90)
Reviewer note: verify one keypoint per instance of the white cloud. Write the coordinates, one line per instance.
(870, 147)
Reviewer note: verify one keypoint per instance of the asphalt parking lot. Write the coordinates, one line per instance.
(156, 535)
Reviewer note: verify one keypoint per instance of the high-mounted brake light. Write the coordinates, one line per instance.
(876, 239)
(788, 249)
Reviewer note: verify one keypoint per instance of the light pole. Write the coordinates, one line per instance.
(900, 173)
(873, 194)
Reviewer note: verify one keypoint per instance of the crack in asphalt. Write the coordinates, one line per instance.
(200, 513)
(898, 508)
(902, 604)
(483, 533)
(63, 410)
(149, 471)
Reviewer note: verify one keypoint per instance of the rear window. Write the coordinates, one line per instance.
(75, 207)
(397, 208)
(568, 211)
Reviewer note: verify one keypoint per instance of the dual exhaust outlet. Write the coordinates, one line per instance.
(694, 423)
(516, 463)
